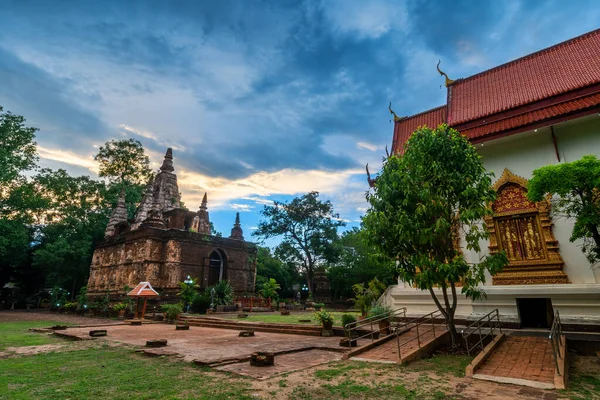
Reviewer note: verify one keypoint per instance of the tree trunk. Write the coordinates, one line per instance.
(596, 237)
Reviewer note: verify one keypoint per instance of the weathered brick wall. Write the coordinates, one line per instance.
(166, 257)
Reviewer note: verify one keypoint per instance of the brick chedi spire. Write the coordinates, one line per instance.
(145, 206)
(118, 216)
(154, 218)
(166, 191)
(203, 219)
(236, 231)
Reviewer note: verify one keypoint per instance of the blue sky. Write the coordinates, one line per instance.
(260, 100)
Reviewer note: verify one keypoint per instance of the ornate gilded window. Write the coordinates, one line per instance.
(523, 229)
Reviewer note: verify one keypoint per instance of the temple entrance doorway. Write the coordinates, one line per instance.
(535, 313)
(217, 266)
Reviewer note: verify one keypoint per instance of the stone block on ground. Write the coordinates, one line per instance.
(345, 342)
(182, 327)
(242, 315)
(262, 359)
(327, 332)
(59, 327)
(156, 343)
(246, 334)
(98, 332)
(137, 323)
(285, 312)
(304, 320)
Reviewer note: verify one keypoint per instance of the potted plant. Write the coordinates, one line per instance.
(380, 311)
(326, 320)
(120, 309)
(172, 312)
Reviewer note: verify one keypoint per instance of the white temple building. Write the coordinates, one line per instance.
(538, 110)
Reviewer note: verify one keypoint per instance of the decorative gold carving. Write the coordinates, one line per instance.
(448, 80)
(396, 118)
(524, 230)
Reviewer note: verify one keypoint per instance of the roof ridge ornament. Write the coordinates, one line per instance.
(442, 73)
(396, 118)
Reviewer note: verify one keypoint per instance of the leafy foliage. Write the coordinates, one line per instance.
(268, 266)
(577, 188)
(348, 319)
(421, 202)
(17, 149)
(358, 262)
(124, 161)
(223, 293)
(324, 317)
(187, 291)
(269, 289)
(366, 296)
(308, 228)
(200, 302)
(171, 311)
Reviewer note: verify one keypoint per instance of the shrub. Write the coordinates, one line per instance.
(119, 306)
(223, 293)
(324, 317)
(319, 305)
(348, 319)
(379, 309)
(200, 303)
(171, 311)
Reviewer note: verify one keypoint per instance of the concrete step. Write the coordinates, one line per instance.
(258, 327)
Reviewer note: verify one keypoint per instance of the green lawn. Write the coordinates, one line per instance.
(13, 334)
(111, 373)
(293, 318)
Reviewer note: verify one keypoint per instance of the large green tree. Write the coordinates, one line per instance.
(359, 262)
(268, 266)
(576, 187)
(422, 199)
(125, 164)
(75, 216)
(308, 228)
(17, 197)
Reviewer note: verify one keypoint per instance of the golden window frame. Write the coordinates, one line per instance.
(524, 272)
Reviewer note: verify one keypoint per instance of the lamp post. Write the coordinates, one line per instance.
(188, 281)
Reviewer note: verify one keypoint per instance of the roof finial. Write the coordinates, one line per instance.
(167, 164)
(204, 203)
(236, 231)
(396, 118)
(442, 73)
(371, 181)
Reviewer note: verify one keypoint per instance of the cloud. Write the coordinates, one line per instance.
(365, 145)
(241, 207)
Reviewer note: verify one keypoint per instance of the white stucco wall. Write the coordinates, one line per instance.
(525, 152)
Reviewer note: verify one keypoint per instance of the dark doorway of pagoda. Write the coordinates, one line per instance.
(216, 270)
(535, 313)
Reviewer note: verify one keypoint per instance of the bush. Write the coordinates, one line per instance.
(318, 306)
(200, 303)
(348, 319)
(172, 311)
(324, 317)
(223, 293)
(379, 309)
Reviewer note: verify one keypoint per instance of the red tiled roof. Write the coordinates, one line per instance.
(526, 119)
(567, 66)
(143, 289)
(406, 126)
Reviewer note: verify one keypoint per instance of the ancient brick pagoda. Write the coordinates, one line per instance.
(165, 243)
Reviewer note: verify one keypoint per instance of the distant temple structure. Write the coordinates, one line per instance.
(541, 109)
(165, 243)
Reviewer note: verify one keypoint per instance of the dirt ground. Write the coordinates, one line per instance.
(312, 381)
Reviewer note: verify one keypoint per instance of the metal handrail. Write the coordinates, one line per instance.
(368, 323)
(491, 321)
(556, 339)
(414, 324)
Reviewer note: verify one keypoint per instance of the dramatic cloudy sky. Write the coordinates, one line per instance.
(260, 100)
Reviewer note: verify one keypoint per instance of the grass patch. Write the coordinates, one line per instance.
(583, 386)
(16, 334)
(337, 370)
(111, 373)
(442, 364)
(293, 318)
